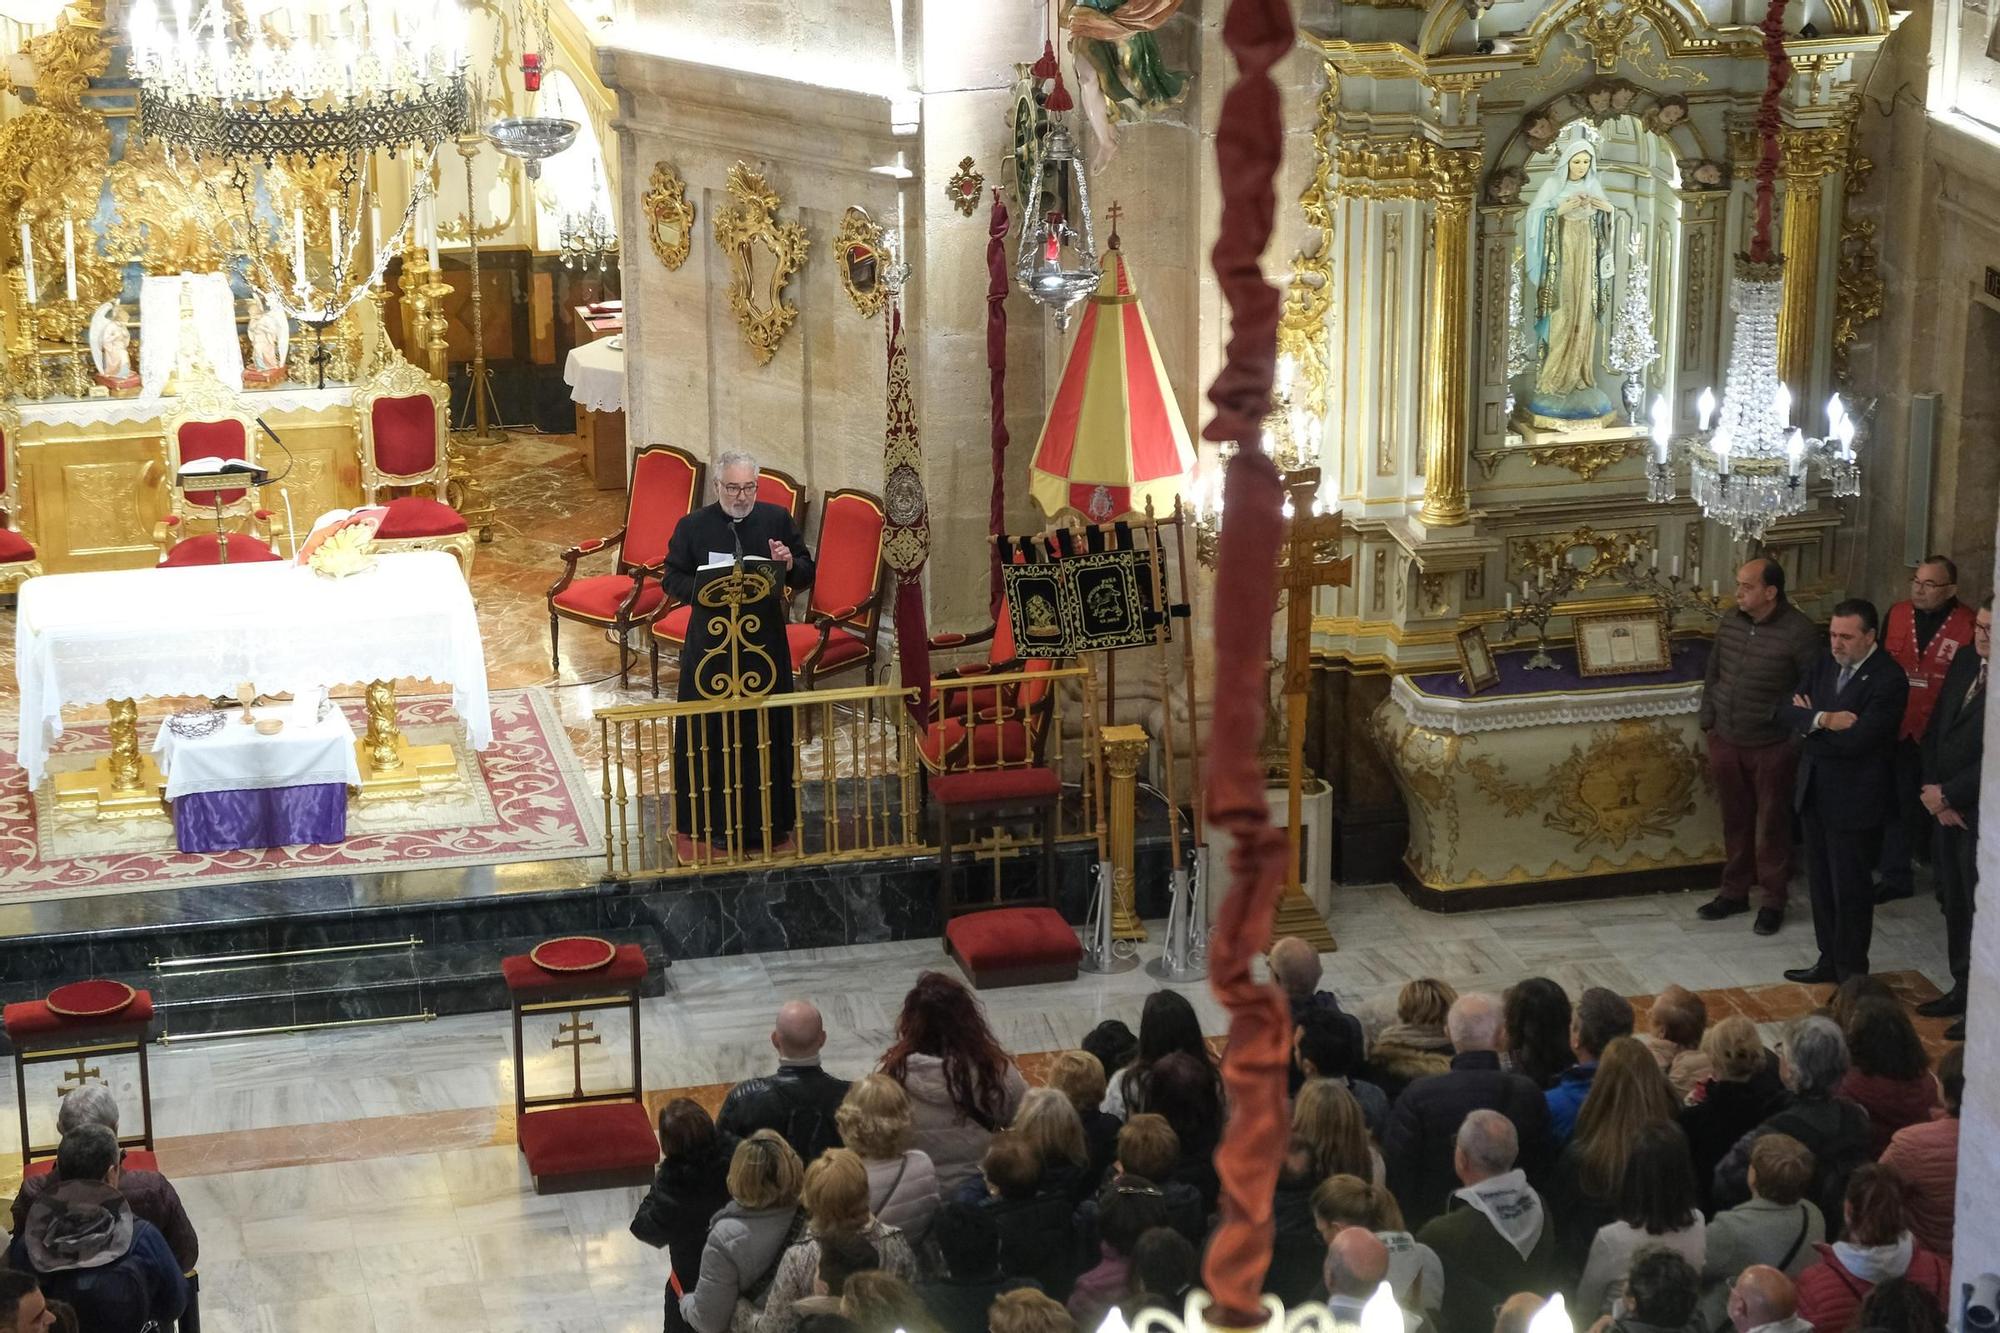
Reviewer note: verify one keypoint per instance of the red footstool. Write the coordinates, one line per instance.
(1013, 946)
(580, 1140)
(80, 1022)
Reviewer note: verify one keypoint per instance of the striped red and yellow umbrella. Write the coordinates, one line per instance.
(1114, 438)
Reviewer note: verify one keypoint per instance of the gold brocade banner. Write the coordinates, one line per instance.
(1091, 601)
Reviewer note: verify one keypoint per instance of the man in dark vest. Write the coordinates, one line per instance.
(733, 771)
(1954, 744)
(1923, 634)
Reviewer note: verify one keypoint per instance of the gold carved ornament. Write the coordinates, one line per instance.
(1585, 460)
(1607, 550)
(1636, 780)
(1857, 279)
(964, 188)
(669, 216)
(749, 224)
(736, 665)
(857, 257)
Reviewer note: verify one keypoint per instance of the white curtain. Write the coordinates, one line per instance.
(214, 321)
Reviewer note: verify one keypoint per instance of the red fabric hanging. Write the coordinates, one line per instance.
(1778, 71)
(996, 377)
(906, 538)
(1249, 146)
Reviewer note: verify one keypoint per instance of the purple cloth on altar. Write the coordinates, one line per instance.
(223, 821)
(1690, 663)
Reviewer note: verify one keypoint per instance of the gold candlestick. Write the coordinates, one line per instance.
(33, 380)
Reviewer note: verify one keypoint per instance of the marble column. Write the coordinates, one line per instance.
(1977, 1239)
(1453, 175)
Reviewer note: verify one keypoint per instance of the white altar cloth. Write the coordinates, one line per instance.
(138, 411)
(1504, 712)
(236, 757)
(595, 373)
(149, 633)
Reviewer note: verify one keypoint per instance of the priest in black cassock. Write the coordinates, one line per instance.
(722, 761)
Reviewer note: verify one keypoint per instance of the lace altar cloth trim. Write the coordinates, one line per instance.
(306, 753)
(152, 633)
(131, 411)
(1463, 717)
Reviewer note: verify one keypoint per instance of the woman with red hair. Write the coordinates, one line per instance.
(963, 1084)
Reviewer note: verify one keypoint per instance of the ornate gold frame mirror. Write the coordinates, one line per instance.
(857, 250)
(748, 225)
(669, 216)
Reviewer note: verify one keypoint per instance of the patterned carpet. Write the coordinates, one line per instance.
(525, 798)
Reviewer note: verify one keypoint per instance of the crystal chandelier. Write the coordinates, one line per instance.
(587, 239)
(1747, 462)
(297, 99)
(340, 80)
(1632, 347)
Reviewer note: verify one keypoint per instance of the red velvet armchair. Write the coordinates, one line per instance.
(403, 431)
(839, 631)
(666, 484)
(209, 420)
(17, 554)
(991, 714)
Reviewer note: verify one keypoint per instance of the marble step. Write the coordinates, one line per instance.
(312, 990)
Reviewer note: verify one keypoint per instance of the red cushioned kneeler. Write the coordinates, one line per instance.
(1019, 941)
(581, 1140)
(1013, 946)
(40, 1035)
(589, 1147)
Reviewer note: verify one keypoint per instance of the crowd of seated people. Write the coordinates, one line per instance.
(1479, 1154)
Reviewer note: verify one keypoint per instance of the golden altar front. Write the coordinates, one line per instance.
(1550, 785)
(93, 484)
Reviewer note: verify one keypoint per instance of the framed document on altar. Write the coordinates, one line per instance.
(1622, 643)
(1476, 666)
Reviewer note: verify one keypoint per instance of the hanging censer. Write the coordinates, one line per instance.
(1046, 231)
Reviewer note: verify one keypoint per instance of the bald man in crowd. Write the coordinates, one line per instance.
(798, 1101)
(1765, 1301)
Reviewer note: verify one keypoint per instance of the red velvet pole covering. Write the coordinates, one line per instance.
(1778, 73)
(996, 376)
(1249, 146)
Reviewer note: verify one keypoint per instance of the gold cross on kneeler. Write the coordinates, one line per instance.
(570, 1035)
(82, 1074)
(1312, 543)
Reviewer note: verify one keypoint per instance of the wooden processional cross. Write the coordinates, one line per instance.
(1311, 562)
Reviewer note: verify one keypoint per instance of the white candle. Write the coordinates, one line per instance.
(1656, 559)
(1510, 602)
(332, 234)
(28, 264)
(69, 259)
(1524, 590)
(375, 238)
(1677, 566)
(1714, 588)
(298, 247)
(430, 210)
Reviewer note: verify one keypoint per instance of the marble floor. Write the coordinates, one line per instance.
(368, 1178)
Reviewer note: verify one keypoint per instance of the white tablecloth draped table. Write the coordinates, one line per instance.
(147, 633)
(237, 757)
(595, 373)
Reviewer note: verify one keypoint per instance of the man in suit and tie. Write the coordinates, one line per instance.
(1954, 744)
(1848, 708)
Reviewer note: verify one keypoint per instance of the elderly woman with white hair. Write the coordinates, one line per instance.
(1812, 1061)
(151, 1194)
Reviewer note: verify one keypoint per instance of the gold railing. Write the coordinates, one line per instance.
(688, 786)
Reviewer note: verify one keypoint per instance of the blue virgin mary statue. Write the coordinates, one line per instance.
(1570, 262)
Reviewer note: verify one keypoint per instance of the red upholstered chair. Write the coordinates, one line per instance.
(846, 607)
(401, 412)
(783, 490)
(17, 554)
(209, 420)
(666, 486)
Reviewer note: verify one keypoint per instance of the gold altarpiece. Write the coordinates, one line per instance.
(1431, 159)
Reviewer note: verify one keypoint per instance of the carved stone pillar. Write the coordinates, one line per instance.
(1810, 156)
(1453, 173)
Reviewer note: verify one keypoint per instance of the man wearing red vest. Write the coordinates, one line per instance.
(1922, 635)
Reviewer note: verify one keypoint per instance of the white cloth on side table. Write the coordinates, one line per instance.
(595, 373)
(308, 752)
(205, 630)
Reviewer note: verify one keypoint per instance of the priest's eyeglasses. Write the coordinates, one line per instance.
(1930, 585)
(742, 488)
